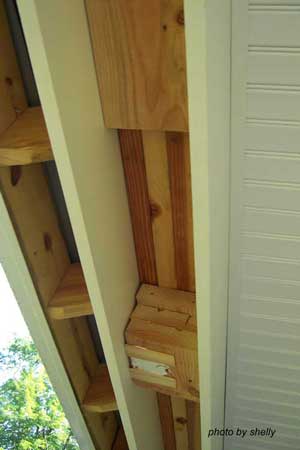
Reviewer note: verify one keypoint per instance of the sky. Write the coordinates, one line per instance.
(11, 320)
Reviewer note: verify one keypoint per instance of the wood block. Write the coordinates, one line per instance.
(26, 140)
(170, 299)
(100, 396)
(161, 345)
(71, 298)
(139, 49)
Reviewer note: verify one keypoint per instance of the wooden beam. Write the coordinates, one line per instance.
(167, 424)
(180, 423)
(131, 146)
(139, 53)
(181, 195)
(100, 396)
(71, 298)
(26, 140)
(194, 429)
(157, 172)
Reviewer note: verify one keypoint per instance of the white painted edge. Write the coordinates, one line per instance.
(14, 265)
(89, 164)
(208, 28)
(238, 114)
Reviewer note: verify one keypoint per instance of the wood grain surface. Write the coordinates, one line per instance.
(139, 49)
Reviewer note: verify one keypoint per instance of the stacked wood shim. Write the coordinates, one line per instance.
(162, 342)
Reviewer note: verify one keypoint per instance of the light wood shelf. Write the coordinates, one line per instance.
(26, 140)
(100, 396)
(71, 298)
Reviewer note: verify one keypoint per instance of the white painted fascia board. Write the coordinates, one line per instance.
(89, 164)
(18, 275)
(208, 29)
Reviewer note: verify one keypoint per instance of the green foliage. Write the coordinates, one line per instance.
(31, 417)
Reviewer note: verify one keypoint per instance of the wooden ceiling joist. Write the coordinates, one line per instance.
(71, 298)
(26, 140)
(100, 396)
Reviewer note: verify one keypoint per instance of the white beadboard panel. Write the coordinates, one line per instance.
(271, 221)
(272, 166)
(286, 309)
(276, 68)
(275, 268)
(271, 245)
(274, 103)
(268, 394)
(271, 195)
(278, 28)
(263, 381)
(273, 137)
(264, 286)
(260, 405)
(291, 376)
(267, 414)
(272, 3)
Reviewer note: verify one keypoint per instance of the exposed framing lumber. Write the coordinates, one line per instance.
(26, 140)
(157, 171)
(33, 215)
(178, 151)
(90, 170)
(167, 164)
(14, 264)
(139, 52)
(131, 146)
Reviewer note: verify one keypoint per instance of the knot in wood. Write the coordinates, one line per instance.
(180, 17)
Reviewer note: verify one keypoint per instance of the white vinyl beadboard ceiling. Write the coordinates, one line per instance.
(263, 382)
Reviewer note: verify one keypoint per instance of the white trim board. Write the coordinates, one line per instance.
(208, 28)
(90, 169)
(14, 265)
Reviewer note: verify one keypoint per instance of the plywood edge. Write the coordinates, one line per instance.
(71, 298)
(26, 140)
